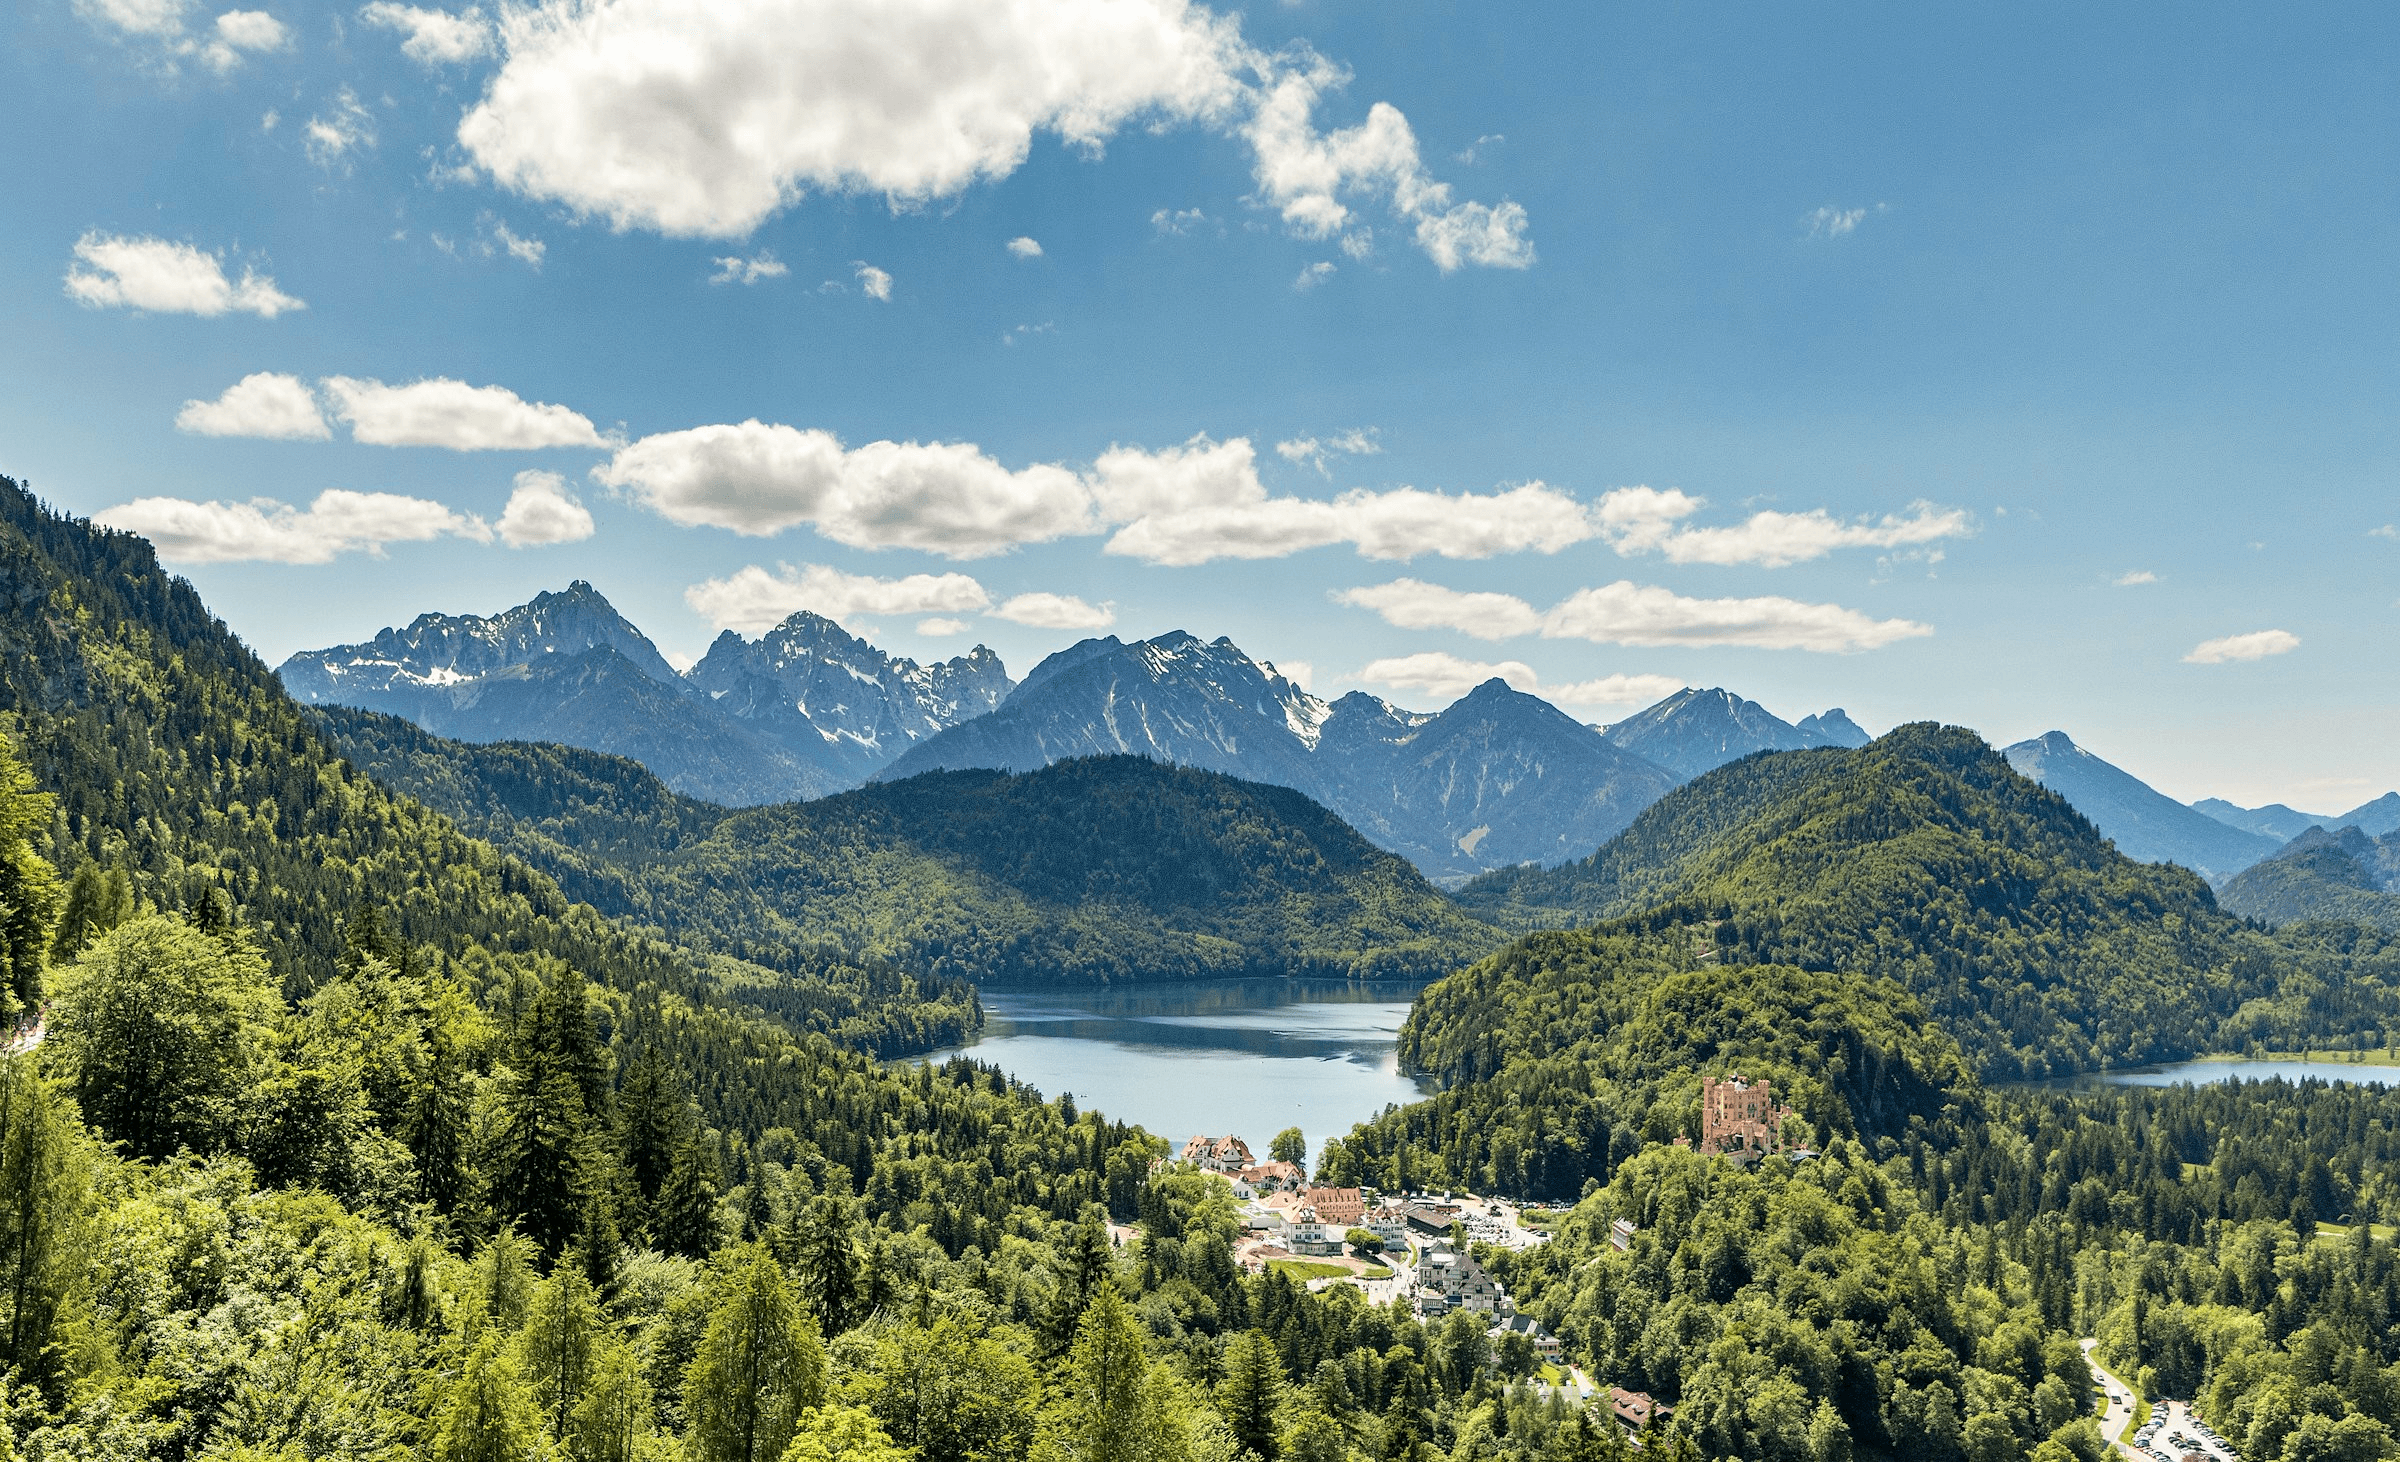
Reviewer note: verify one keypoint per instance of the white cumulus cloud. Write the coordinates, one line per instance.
(2134, 577)
(1413, 604)
(1447, 677)
(1306, 173)
(876, 282)
(445, 413)
(541, 511)
(343, 127)
(262, 404)
(734, 269)
(1625, 613)
(434, 37)
(1203, 501)
(752, 600)
(2257, 645)
(1639, 520)
(244, 32)
(338, 522)
(757, 479)
(151, 18)
(1314, 275)
(1056, 611)
(940, 628)
(706, 120)
(1025, 248)
(167, 278)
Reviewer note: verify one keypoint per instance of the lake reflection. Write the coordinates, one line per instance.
(2205, 1073)
(1249, 1057)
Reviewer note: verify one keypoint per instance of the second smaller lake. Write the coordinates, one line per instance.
(1249, 1057)
(2204, 1073)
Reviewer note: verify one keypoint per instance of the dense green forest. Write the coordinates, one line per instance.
(347, 1134)
(1925, 858)
(2345, 877)
(1107, 869)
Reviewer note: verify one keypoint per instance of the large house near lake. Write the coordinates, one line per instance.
(1227, 1155)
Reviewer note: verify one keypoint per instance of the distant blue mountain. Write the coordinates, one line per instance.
(2146, 824)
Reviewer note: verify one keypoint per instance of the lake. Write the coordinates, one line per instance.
(2202, 1073)
(1249, 1057)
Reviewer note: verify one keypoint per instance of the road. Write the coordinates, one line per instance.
(2120, 1405)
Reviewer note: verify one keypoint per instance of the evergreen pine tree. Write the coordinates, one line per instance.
(560, 1344)
(44, 1190)
(652, 1112)
(490, 1418)
(828, 1265)
(1107, 1409)
(684, 1220)
(758, 1368)
(1252, 1392)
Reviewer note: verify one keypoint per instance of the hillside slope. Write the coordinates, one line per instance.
(1101, 869)
(176, 756)
(2323, 876)
(1924, 857)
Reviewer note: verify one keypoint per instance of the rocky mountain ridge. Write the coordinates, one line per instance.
(806, 710)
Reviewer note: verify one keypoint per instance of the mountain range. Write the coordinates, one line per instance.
(806, 710)
(1497, 778)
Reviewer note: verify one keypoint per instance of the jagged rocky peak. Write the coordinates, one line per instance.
(808, 668)
(1359, 722)
(437, 650)
(1695, 731)
(1833, 728)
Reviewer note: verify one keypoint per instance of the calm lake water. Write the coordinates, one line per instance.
(1249, 1057)
(2201, 1073)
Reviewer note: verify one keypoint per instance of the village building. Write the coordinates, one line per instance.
(1228, 1155)
(1342, 1206)
(1310, 1233)
(1634, 1410)
(1459, 1281)
(1433, 1220)
(1620, 1233)
(1389, 1222)
(1739, 1119)
(1545, 1344)
(1273, 1177)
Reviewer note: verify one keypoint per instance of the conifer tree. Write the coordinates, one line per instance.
(97, 900)
(490, 1417)
(827, 1261)
(613, 1421)
(758, 1368)
(561, 1343)
(1107, 1407)
(1252, 1392)
(44, 1192)
(652, 1111)
(684, 1220)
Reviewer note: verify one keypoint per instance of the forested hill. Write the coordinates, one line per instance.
(1101, 869)
(1924, 857)
(179, 764)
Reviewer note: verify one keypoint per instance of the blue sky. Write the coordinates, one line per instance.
(2023, 369)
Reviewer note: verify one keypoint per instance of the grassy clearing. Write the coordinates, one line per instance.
(1306, 1269)
(2384, 1057)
